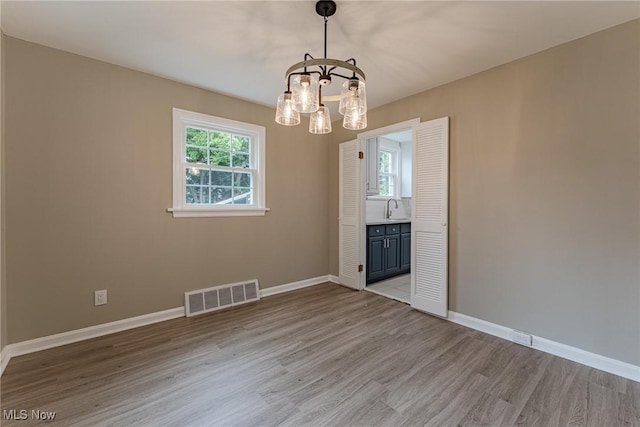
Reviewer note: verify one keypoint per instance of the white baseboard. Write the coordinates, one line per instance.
(4, 359)
(43, 343)
(584, 357)
(334, 279)
(294, 285)
(593, 360)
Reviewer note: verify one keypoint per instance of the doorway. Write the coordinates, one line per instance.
(427, 221)
(387, 206)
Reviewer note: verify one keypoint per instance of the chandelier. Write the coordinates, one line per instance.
(304, 82)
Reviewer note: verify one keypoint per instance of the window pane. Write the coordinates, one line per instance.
(383, 186)
(197, 194)
(221, 178)
(196, 137)
(242, 196)
(240, 160)
(196, 155)
(221, 195)
(241, 179)
(240, 143)
(219, 166)
(219, 158)
(219, 141)
(197, 176)
(385, 162)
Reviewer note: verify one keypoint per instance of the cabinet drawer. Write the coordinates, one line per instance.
(393, 229)
(376, 230)
(405, 228)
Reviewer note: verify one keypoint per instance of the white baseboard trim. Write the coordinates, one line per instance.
(334, 279)
(593, 360)
(584, 357)
(43, 343)
(293, 286)
(4, 359)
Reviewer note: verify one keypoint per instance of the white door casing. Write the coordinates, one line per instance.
(349, 215)
(429, 214)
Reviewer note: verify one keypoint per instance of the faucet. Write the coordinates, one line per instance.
(389, 207)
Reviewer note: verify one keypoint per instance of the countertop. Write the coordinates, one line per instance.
(389, 221)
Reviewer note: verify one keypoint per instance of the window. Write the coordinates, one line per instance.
(387, 173)
(218, 166)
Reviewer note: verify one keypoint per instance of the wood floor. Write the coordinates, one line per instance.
(323, 355)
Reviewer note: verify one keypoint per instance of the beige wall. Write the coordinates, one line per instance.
(88, 180)
(544, 191)
(545, 194)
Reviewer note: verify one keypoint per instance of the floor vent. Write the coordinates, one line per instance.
(219, 297)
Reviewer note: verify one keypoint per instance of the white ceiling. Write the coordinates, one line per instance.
(242, 48)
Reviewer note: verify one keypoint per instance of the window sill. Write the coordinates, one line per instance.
(205, 212)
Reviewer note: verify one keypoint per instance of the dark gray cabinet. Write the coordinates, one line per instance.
(405, 248)
(376, 251)
(388, 251)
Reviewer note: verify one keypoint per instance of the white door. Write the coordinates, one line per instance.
(430, 213)
(349, 219)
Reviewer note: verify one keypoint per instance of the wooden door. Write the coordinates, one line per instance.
(349, 211)
(430, 210)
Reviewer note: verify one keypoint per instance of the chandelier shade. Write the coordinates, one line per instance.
(320, 121)
(305, 80)
(354, 120)
(305, 93)
(353, 95)
(285, 113)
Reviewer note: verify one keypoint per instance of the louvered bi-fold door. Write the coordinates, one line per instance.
(349, 247)
(429, 228)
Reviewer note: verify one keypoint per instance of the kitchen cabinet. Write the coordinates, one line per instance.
(376, 251)
(405, 248)
(388, 251)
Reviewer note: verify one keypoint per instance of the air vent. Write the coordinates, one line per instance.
(211, 299)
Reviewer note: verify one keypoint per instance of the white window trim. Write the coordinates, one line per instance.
(182, 119)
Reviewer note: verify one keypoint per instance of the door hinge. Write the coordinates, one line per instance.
(360, 268)
(360, 155)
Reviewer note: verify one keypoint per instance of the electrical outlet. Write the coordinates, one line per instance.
(100, 297)
(521, 338)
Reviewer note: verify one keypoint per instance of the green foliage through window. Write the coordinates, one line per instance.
(221, 171)
(386, 174)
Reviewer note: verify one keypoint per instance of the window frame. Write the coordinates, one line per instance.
(395, 172)
(183, 119)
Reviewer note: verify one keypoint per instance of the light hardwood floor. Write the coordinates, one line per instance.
(323, 355)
